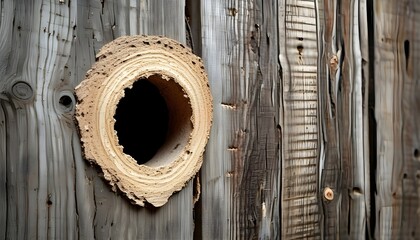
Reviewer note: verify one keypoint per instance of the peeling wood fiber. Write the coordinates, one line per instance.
(180, 77)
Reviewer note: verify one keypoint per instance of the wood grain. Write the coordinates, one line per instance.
(396, 108)
(344, 80)
(51, 192)
(298, 59)
(241, 171)
(308, 95)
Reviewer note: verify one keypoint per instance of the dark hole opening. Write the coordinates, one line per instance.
(142, 121)
(416, 153)
(357, 190)
(407, 51)
(66, 101)
(300, 48)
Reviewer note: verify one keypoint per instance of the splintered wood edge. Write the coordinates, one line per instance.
(119, 64)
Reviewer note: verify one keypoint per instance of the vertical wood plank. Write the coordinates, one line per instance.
(114, 217)
(241, 173)
(397, 103)
(216, 181)
(330, 165)
(51, 190)
(344, 103)
(3, 173)
(300, 151)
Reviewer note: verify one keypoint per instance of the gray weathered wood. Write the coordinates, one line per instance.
(343, 79)
(240, 177)
(397, 105)
(308, 95)
(298, 59)
(50, 191)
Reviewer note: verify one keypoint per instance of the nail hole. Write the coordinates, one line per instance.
(357, 190)
(66, 101)
(416, 153)
(300, 48)
(405, 175)
(407, 51)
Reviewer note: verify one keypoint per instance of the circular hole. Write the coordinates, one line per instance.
(416, 153)
(142, 121)
(66, 101)
(153, 120)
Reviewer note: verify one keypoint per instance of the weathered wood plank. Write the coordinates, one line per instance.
(240, 177)
(216, 182)
(114, 217)
(396, 110)
(298, 59)
(51, 191)
(330, 165)
(3, 173)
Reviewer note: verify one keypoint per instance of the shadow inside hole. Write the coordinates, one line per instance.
(142, 121)
(66, 102)
(407, 52)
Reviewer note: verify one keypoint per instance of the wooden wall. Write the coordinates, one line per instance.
(308, 95)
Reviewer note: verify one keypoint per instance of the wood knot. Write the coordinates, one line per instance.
(334, 63)
(22, 90)
(328, 194)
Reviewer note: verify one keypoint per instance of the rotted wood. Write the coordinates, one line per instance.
(181, 80)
